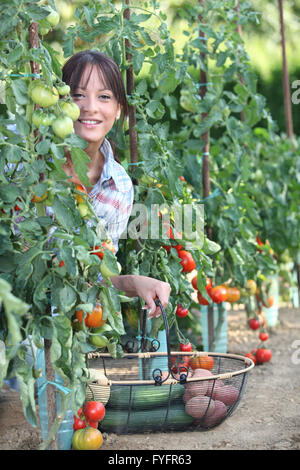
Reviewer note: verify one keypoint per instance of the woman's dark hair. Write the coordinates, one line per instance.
(73, 69)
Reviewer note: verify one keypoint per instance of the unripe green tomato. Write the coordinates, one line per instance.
(106, 272)
(44, 27)
(42, 95)
(62, 126)
(63, 89)
(40, 117)
(53, 17)
(83, 209)
(70, 109)
(99, 340)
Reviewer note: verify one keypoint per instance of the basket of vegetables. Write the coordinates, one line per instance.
(170, 390)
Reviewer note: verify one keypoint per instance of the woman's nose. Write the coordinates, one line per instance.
(90, 104)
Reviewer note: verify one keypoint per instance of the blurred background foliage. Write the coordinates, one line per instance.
(261, 37)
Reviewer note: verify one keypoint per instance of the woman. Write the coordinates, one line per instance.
(98, 89)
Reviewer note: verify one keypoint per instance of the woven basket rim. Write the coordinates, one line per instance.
(172, 381)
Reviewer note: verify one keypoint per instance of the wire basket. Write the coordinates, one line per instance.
(169, 391)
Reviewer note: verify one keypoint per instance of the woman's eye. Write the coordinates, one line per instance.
(104, 97)
(77, 95)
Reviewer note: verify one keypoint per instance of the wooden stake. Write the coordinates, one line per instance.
(206, 181)
(51, 395)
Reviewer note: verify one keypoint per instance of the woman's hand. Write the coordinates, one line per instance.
(146, 288)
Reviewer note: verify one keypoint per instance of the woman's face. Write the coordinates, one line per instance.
(98, 107)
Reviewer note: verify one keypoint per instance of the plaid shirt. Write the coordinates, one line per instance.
(112, 196)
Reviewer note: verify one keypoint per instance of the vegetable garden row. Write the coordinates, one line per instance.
(199, 136)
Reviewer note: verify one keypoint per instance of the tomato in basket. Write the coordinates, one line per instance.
(201, 362)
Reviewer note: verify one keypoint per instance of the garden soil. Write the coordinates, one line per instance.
(267, 418)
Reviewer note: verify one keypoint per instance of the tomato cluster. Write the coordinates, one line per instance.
(57, 113)
(218, 294)
(262, 353)
(191, 362)
(86, 434)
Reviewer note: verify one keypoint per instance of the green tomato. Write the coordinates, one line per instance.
(83, 209)
(39, 117)
(63, 89)
(42, 95)
(102, 329)
(53, 17)
(99, 340)
(70, 109)
(62, 126)
(106, 271)
(44, 27)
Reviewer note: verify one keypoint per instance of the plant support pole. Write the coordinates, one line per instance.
(51, 397)
(206, 177)
(285, 77)
(129, 88)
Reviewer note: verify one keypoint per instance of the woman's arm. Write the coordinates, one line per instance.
(146, 288)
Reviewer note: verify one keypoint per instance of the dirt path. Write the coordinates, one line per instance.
(268, 417)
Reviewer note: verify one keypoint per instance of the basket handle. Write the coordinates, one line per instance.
(158, 378)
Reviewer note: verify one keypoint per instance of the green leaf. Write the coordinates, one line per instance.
(168, 82)
(36, 12)
(112, 309)
(80, 160)
(19, 88)
(64, 212)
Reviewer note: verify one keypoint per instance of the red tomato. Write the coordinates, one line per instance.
(181, 312)
(263, 336)
(187, 261)
(254, 323)
(78, 422)
(185, 347)
(202, 300)
(218, 294)
(263, 355)
(94, 410)
(106, 245)
(61, 263)
(251, 356)
(208, 283)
